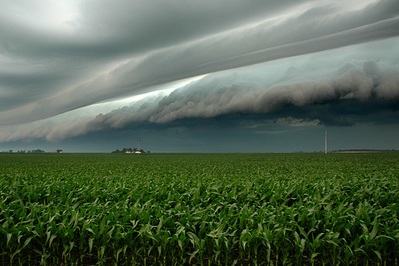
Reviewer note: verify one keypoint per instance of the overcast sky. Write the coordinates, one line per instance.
(199, 76)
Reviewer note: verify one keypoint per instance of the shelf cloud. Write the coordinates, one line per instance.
(303, 63)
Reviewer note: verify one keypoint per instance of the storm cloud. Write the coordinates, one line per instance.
(303, 92)
(335, 100)
(302, 63)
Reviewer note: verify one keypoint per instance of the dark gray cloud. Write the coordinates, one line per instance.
(147, 25)
(271, 66)
(96, 51)
(364, 93)
(101, 27)
(306, 92)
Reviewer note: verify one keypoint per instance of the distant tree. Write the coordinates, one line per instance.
(133, 150)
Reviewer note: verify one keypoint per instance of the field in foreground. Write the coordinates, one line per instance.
(209, 209)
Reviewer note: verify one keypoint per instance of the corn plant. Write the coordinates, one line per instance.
(204, 209)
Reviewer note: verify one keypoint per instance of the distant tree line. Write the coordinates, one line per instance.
(365, 150)
(31, 151)
(130, 150)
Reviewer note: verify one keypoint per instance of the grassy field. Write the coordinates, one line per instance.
(204, 209)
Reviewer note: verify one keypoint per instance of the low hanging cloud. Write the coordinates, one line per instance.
(341, 95)
(64, 68)
(336, 100)
(93, 56)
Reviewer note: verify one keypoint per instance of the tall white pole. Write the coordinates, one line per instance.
(325, 141)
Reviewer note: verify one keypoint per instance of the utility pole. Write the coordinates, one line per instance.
(325, 141)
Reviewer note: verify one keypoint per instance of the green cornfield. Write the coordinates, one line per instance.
(203, 209)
